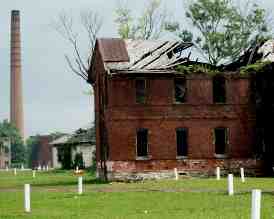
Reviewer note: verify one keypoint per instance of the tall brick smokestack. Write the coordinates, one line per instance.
(16, 96)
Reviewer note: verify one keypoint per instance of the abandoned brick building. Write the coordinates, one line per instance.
(42, 151)
(152, 118)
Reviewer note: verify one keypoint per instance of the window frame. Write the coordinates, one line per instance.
(174, 90)
(187, 145)
(144, 92)
(225, 154)
(218, 77)
(142, 157)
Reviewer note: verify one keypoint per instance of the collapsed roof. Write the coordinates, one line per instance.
(159, 56)
(142, 55)
(80, 136)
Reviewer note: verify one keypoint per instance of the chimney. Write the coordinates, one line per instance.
(16, 96)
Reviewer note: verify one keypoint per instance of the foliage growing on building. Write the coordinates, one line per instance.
(222, 29)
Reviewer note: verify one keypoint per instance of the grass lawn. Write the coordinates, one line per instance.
(54, 196)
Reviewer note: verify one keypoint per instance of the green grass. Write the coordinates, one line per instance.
(54, 196)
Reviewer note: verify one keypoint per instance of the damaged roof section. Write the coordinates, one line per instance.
(113, 50)
(159, 56)
(142, 55)
(80, 136)
(262, 51)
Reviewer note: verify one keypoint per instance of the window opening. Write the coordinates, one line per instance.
(182, 143)
(142, 142)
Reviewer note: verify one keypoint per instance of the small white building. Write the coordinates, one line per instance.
(81, 142)
(5, 152)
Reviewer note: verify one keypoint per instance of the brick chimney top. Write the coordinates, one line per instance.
(15, 12)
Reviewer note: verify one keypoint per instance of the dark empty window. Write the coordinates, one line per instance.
(181, 136)
(221, 138)
(219, 90)
(140, 86)
(180, 90)
(142, 142)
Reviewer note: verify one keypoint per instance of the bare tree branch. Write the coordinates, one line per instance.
(92, 23)
(73, 69)
(92, 28)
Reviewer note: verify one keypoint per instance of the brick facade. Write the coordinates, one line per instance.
(121, 116)
(43, 152)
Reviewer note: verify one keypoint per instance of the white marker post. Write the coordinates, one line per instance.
(15, 171)
(176, 174)
(77, 169)
(242, 175)
(218, 173)
(80, 185)
(7, 168)
(256, 204)
(47, 168)
(22, 167)
(27, 198)
(230, 184)
(33, 174)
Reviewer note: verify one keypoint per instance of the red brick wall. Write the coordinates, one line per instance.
(162, 138)
(161, 116)
(99, 71)
(160, 91)
(44, 151)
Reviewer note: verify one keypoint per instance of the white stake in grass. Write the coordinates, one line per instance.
(33, 174)
(47, 168)
(176, 174)
(7, 168)
(242, 175)
(15, 171)
(80, 185)
(230, 184)
(27, 198)
(218, 173)
(256, 204)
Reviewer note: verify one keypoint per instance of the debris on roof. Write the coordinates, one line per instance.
(61, 140)
(143, 54)
(80, 136)
(159, 56)
(267, 50)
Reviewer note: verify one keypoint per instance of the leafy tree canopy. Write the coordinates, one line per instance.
(149, 25)
(222, 29)
(18, 151)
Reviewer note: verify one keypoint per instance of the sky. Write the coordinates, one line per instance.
(55, 99)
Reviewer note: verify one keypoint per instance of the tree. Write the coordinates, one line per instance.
(149, 25)
(91, 22)
(222, 29)
(64, 156)
(18, 150)
(32, 146)
(79, 161)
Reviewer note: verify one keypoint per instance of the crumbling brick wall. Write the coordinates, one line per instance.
(161, 116)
